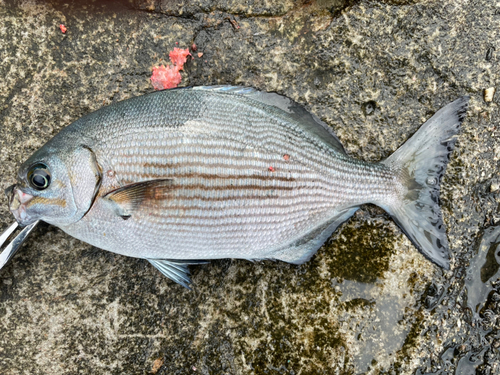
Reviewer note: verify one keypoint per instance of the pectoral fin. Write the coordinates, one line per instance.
(128, 199)
(176, 270)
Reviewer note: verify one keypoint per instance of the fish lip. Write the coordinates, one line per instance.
(17, 204)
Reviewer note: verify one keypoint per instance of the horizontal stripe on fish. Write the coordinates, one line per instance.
(188, 159)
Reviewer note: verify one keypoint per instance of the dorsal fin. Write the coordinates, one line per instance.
(309, 122)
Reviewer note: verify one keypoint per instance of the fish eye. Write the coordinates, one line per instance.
(39, 177)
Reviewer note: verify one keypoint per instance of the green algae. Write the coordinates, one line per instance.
(362, 250)
(411, 340)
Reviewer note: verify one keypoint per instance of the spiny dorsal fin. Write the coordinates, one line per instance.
(309, 122)
(176, 270)
(128, 199)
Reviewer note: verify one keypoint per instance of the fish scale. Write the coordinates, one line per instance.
(227, 172)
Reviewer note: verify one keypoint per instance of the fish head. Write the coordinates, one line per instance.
(57, 184)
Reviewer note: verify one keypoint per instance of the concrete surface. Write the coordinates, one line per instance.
(368, 302)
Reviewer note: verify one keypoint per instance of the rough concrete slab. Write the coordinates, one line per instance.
(368, 302)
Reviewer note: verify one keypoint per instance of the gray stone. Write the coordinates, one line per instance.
(368, 302)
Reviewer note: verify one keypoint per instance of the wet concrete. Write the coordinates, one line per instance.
(368, 302)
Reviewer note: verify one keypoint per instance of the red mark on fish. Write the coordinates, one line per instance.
(271, 169)
(286, 157)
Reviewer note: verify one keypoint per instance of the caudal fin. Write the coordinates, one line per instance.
(421, 163)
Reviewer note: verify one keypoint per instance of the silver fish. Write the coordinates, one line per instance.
(182, 176)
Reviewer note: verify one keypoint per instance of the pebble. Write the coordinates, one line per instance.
(488, 94)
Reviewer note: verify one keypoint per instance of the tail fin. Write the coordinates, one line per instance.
(421, 163)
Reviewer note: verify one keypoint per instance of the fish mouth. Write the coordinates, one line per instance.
(17, 204)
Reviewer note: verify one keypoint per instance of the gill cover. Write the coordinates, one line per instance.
(85, 176)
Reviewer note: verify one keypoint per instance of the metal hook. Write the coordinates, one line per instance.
(16, 243)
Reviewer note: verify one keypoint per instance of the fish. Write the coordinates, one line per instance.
(184, 176)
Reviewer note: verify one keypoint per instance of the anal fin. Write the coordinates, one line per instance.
(303, 249)
(176, 270)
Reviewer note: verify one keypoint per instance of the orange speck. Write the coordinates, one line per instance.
(286, 157)
(63, 28)
(271, 169)
(200, 54)
(157, 365)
